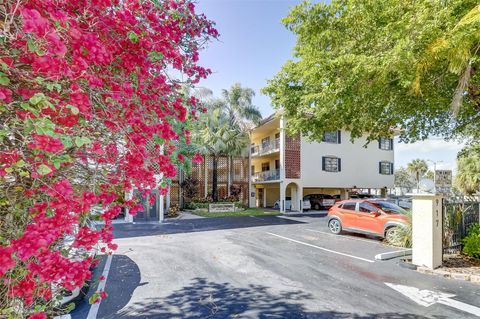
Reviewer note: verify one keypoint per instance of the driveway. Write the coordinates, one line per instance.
(263, 267)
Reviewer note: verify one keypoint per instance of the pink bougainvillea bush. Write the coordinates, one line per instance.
(93, 103)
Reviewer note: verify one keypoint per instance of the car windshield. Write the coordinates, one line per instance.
(390, 208)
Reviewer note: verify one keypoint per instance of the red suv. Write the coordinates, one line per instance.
(368, 216)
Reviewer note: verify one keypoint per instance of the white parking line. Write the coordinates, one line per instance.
(321, 248)
(346, 237)
(92, 314)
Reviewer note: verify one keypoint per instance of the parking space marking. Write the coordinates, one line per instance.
(322, 248)
(346, 237)
(92, 314)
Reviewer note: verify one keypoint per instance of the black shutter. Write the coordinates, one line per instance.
(391, 168)
(391, 144)
(339, 137)
(323, 163)
(380, 167)
(380, 143)
(339, 164)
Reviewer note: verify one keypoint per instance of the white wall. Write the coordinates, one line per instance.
(359, 165)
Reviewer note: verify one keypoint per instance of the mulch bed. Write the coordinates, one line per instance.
(461, 264)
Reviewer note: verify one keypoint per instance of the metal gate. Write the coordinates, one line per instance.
(459, 213)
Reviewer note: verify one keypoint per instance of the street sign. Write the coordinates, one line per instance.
(443, 181)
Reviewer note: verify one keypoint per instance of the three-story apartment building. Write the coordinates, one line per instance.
(291, 167)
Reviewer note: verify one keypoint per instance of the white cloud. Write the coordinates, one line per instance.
(433, 149)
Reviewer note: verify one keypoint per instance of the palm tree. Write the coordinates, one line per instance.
(418, 168)
(468, 176)
(236, 104)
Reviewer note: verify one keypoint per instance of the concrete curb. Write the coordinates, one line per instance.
(394, 254)
(450, 274)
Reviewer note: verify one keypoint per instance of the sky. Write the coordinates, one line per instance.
(253, 46)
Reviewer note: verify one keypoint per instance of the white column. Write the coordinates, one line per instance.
(128, 217)
(161, 211)
(251, 190)
(282, 150)
(300, 195)
(282, 196)
(427, 221)
(265, 197)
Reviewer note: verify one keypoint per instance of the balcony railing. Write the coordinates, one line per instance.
(266, 176)
(266, 148)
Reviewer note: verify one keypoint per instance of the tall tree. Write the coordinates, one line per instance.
(403, 180)
(242, 115)
(418, 168)
(467, 179)
(372, 66)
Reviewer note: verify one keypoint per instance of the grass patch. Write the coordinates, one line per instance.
(246, 212)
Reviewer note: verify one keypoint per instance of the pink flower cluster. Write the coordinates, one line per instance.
(99, 66)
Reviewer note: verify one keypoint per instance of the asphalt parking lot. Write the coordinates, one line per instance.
(262, 267)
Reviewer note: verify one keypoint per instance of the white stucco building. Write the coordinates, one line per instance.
(284, 166)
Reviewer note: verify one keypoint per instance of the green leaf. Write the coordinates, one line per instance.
(93, 298)
(44, 169)
(73, 109)
(8, 169)
(32, 46)
(4, 80)
(37, 98)
(80, 141)
(20, 163)
(132, 36)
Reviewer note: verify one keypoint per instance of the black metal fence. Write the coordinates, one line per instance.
(459, 214)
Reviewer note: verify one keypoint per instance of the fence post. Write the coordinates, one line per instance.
(427, 224)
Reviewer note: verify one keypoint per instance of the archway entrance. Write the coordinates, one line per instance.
(293, 197)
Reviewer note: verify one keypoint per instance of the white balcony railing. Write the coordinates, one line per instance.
(266, 148)
(272, 175)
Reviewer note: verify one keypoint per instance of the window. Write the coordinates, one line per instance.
(332, 137)
(367, 208)
(277, 164)
(331, 164)
(266, 142)
(265, 167)
(385, 144)
(253, 169)
(385, 168)
(277, 135)
(349, 206)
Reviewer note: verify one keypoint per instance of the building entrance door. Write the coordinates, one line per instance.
(260, 197)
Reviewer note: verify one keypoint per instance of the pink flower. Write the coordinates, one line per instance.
(180, 157)
(38, 315)
(34, 22)
(6, 260)
(46, 143)
(197, 158)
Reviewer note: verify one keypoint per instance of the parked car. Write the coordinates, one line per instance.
(288, 204)
(368, 216)
(320, 201)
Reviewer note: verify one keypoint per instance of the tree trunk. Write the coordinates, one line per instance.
(230, 175)
(215, 178)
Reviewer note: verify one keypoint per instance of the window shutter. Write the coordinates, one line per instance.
(391, 168)
(339, 164)
(391, 144)
(380, 167)
(380, 143)
(339, 137)
(323, 163)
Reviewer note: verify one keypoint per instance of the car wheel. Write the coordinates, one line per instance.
(276, 206)
(317, 207)
(335, 226)
(390, 234)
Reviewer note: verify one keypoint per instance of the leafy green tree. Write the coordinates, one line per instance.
(418, 168)
(403, 180)
(374, 66)
(236, 104)
(467, 179)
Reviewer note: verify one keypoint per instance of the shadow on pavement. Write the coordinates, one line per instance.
(198, 225)
(206, 299)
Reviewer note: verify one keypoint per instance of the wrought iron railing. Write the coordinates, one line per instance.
(267, 176)
(266, 148)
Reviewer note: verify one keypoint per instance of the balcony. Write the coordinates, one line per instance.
(266, 176)
(266, 148)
